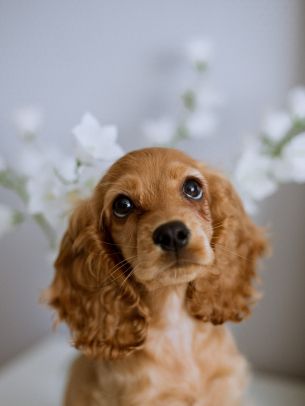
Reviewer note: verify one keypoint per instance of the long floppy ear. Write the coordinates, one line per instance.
(226, 292)
(106, 316)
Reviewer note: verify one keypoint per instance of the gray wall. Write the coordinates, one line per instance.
(118, 60)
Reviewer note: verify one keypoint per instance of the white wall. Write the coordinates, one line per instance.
(119, 60)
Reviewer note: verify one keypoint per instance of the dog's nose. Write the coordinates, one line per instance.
(171, 236)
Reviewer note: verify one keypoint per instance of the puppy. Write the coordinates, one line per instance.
(150, 268)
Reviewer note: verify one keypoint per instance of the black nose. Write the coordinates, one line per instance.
(171, 236)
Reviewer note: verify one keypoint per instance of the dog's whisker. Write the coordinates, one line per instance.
(230, 252)
(188, 261)
(116, 273)
(110, 279)
(120, 265)
(126, 279)
(211, 226)
(129, 275)
(220, 223)
(122, 261)
(118, 245)
(218, 226)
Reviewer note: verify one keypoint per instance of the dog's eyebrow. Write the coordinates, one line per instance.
(179, 169)
(195, 173)
(128, 185)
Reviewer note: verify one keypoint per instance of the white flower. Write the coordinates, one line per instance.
(207, 97)
(296, 102)
(199, 51)
(89, 177)
(276, 125)
(201, 124)
(252, 175)
(33, 159)
(281, 169)
(6, 219)
(28, 121)
(160, 131)
(47, 196)
(3, 165)
(96, 141)
(66, 169)
(56, 189)
(293, 157)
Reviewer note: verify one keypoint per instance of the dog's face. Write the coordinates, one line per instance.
(157, 218)
(158, 214)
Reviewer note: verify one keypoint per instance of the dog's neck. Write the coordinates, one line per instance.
(167, 305)
(171, 328)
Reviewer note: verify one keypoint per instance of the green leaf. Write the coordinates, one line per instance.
(11, 180)
(189, 100)
(201, 67)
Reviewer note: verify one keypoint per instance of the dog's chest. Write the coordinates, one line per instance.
(170, 346)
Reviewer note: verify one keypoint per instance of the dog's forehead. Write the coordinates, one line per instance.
(155, 166)
(151, 172)
(154, 161)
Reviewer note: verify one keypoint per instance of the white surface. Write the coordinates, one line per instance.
(37, 378)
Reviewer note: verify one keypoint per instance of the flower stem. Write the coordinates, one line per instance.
(18, 217)
(46, 228)
(276, 149)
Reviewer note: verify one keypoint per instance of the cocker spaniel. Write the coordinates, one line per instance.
(150, 268)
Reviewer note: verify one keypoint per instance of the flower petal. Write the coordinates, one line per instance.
(296, 102)
(294, 158)
(159, 131)
(98, 142)
(28, 121)
(209, 98)
(252, 175)
(199, 51)
(276, 125)
(201, 124)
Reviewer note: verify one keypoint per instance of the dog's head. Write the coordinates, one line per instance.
(157, 218)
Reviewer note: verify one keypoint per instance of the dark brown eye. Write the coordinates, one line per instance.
(122, 206)
(192, 189)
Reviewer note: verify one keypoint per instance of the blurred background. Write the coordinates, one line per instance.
(120, 61)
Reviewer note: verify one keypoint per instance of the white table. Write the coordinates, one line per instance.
(37, 378)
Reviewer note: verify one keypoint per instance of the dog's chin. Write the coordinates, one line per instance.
(182, 273)
(175, 274)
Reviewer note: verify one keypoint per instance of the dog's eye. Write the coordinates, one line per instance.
(192, 189)
(122, 206)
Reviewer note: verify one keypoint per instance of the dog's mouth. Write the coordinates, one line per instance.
(181, 263)
(173, 266)
(186, 259)
(184, 262)
(183, 268)
(180, 271)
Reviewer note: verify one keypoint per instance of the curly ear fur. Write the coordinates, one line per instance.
(105, 315)
(226, 293)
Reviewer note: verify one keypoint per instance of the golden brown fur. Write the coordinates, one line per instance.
(148, 320)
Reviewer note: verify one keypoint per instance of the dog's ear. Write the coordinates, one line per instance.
(226, 292)
(91, 294)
